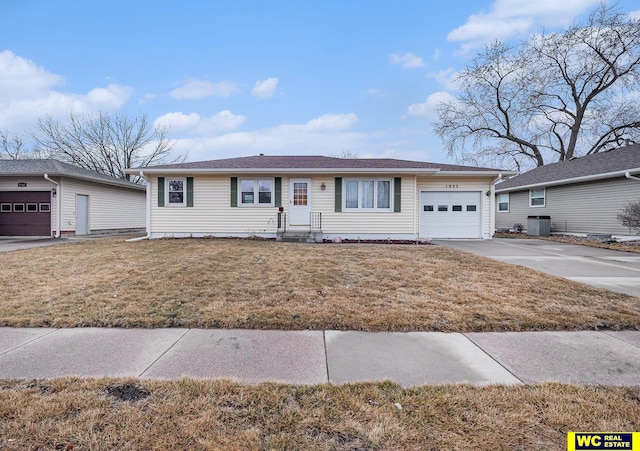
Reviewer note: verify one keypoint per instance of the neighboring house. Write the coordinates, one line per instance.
(582, 195)
(272, 196)
(48, 197)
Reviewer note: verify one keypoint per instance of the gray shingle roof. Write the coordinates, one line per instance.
(263, 162)
(58, 168)
(600, 165)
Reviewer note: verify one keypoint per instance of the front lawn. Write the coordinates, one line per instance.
(225, 283)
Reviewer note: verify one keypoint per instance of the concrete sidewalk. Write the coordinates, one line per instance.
(313, 357)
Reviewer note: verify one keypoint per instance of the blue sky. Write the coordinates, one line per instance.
(238, 78)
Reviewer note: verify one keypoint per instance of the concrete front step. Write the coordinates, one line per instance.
(299, 237)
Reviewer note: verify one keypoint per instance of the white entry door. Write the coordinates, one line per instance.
(300, 202)
(82, 214)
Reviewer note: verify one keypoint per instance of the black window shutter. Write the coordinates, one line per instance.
(234, 191)
(189, 191)
(338, 199)
(278, 192)
(160, 191)
(397, 194)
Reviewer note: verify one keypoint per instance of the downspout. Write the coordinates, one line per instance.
(148, 207)
(492, 206)
(58, 205)
(631, 177)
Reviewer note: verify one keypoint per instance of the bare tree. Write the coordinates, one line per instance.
(12, 146)
(555, 97)
(347, 154)
(629, 216)
(106, 143)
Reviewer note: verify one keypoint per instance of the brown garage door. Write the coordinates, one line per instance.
(25, 213)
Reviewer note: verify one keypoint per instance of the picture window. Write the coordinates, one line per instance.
(367, 194)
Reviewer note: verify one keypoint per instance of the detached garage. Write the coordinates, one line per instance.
(49, 197)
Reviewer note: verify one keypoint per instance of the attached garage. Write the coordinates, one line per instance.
(451, 214)
(25, 213)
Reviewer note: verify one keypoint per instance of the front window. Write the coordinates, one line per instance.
(537, 198)
(256, 192)
(367, 194)
(176, 194)
(503, 202)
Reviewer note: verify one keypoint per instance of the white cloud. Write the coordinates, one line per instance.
(408, 60)
(21, 78)
(446, 78)
(331, 122)
(193, 123)
(324, 135)
(27, 93)
(198, 89)
(635, 14)
(428, 108)
(264, 89)
(509, 18)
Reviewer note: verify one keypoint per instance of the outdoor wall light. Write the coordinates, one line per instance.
(323, 186)
(53, 192)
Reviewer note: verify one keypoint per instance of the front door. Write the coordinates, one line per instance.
(300, 202)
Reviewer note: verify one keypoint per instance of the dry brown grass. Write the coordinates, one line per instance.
(186, 414)
(209, 283)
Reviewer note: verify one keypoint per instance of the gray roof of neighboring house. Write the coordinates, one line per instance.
(55, 168)
(313, 163)
(610, 164)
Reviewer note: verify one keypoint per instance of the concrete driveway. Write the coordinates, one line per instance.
(15, 243)
(603, 268)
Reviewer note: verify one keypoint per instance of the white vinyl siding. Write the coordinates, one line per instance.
(580, 208)
(212, 213)
(110, 207)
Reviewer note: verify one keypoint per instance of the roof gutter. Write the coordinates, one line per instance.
(148, 207)
(58, 205)
(585, 178)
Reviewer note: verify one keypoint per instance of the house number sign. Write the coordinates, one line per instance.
(451, 186)
(22, 184)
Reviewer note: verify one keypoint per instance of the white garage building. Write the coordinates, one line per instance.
(50, 198)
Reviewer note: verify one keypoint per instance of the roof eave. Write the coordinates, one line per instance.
(584, 178)
(425, 171)
(177, 171)
(122, 184)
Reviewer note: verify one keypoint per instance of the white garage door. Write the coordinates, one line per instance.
(445, 214)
